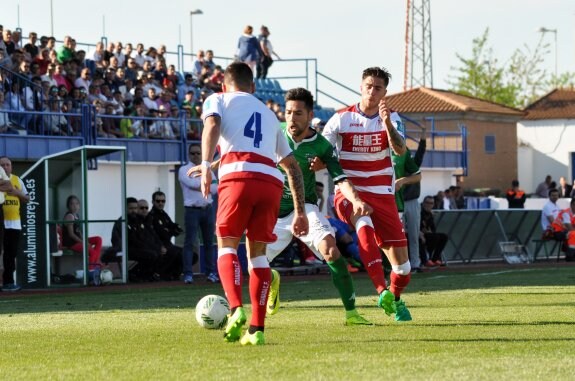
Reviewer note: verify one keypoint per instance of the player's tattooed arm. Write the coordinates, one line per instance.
(300, 224)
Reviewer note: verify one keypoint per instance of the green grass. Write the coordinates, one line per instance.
(517, 324)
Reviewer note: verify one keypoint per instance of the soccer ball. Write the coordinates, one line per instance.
(212, 312)
(106, 276)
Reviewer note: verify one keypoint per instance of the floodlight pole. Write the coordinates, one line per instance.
(192, 13)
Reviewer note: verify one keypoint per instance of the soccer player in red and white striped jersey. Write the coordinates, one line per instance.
(251, 145)
(364, 135)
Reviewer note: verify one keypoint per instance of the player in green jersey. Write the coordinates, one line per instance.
(307, 144)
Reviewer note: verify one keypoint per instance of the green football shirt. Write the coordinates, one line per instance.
(403, 165)
(304, 152)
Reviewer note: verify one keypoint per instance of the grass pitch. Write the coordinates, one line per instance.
(508, 323)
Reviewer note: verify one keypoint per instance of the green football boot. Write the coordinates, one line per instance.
(256, 338)
(235, 323)
(402, 313)
(274, 298)
(386, 301)
(354, 318)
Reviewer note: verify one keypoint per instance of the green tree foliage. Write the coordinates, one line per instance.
(517, 83)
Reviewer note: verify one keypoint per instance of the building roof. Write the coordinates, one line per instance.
(426, 100)
(558, 104)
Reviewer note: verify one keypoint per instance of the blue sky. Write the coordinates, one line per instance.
(345, 37)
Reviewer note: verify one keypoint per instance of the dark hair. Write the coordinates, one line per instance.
(300, 94)
(377, 72)
(69, 200)
(515, 183)
(551, 190)
(318, 183)
(194, 145)
(239, 74)
(131, 200)
(157, 193)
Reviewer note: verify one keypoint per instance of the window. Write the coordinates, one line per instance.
(489, 143)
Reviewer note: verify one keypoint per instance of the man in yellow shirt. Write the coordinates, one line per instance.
(12, 226)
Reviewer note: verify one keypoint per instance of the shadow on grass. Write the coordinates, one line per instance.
(309, 288)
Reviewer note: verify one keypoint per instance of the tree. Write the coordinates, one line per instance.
(482, 77)
(516, 84)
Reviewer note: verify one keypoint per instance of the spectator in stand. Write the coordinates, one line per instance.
(13, 102)
(51, 43)
(14, 199)
(84, 80)
(43, 42)
(42, 60)
(110, 124)
(210, 59)
(97, 55)
(49, 76)
(172, 77)
(109, 52)
(65, 53)
(161, 53)
(35, 69)
(9, 45)
(119, 55)
(199, 63)
(114, 63)
(151, 101)
(165, 229)
(6, 127)
(24, 69)
(430, 241)
(542, 190)
(515, 196)
(60, 75)
(16, 39)
(267, 51)
(249, 51)
(131, 69)
(216, 80)
(31, 47)
(459, 198)
(564, 188)
(185, 87)
(139, 56)
(160, 71)
(72, 238)
(151, 56)
(32, 98)
(129, 49)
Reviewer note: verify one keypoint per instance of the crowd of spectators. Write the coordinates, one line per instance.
(135, 92)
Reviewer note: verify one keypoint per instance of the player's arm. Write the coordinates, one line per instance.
(406, 180)
(210, 136)
(395, 139)
(295, 179)
(347, 189)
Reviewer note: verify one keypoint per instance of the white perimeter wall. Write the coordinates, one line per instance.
(104, 191)
(544, 149)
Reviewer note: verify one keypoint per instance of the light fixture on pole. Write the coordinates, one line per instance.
(192, 13)
(544, 30)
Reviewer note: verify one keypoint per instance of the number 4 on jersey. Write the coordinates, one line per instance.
(253, 129)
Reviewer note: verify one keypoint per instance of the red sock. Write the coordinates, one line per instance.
(398, 283)
(230, 275)
(371, 256)
(260, 280)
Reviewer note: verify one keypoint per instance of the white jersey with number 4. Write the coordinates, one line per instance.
(251, 141)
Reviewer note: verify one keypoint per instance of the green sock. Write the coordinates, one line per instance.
(343, 282)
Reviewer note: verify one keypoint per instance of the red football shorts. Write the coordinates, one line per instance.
(248, 205)
(388, 227)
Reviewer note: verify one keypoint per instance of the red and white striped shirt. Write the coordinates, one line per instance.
(251, 141)
(362, 144)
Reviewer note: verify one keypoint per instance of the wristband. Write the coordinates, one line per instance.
(206, 164)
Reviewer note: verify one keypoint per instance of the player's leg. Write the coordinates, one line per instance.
(282, 230)
(264, 212)
(321, 241)
(391, 238)
(368, 249)
(233, 214)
